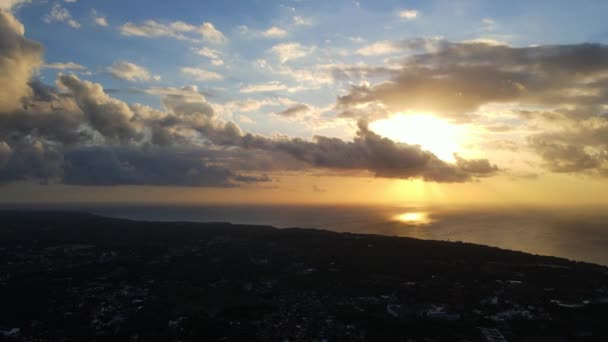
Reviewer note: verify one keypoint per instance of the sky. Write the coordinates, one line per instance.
(304, 102)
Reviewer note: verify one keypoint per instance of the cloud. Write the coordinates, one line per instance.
(408, 14)
(61, 15)
(176, 29)
(85, 137)
(123, 157)
(455, 79)
(414, 45)
(128, 71)
(488, 24)
(109, 116)
(245, 119)
(379, 48)
(476, 167)
(76, 133)
(19, 60)
(213, 55)
(64, 66)
(98, 19)
(367, 152)
(152, 28)
(484, 40)
(274, 32)
(249, 105)
(5, 154)
(295, 110)
(459, 77)
(359, 71)
(32, 159)
(290, 51)
(201, 74)
(577, 143)
(301, 21)
(210, 33)
(9, 4)
(264, 87)
(46, 114)
(127, 166)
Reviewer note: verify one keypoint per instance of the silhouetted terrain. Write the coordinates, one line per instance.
(80, 277)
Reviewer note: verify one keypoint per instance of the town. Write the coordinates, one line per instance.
(80, 277)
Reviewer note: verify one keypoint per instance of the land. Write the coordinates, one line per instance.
(81, 277)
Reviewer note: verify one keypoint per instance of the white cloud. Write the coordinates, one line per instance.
(488, 24)
(299, 21)
(487, 41)
(245, 119)
(201, 74)
(264, 87)
(210, 33)
(378, 48)
(289, 51)
(152, 28)
(274, 32)
(212, 54)
(408, 14)
(176, 29)
(131, 72)
(189, 92)
(61, 15)
(250, 105)
(64, 66)
(99, 19)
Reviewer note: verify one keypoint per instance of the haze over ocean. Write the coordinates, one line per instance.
(575, 233)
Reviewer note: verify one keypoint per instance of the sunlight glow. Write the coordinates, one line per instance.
(415, 218)
(431, 133)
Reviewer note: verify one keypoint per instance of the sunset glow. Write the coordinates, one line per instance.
(428, 131)
(192, 102)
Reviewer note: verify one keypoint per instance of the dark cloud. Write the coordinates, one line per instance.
(5, 154)
(129, 166)
(367, 152)
(382, 156)
(48, 115)
(295, 110)
(457, 78)
(582, 146)
(476, 167)
(107, 115)
(32, 159)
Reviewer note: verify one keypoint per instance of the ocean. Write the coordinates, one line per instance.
(574, 233)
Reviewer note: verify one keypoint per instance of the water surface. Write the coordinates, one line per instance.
(573, 233)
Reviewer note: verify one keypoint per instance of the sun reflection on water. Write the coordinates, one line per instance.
(413, 218)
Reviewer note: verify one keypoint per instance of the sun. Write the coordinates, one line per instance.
(431, 133)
